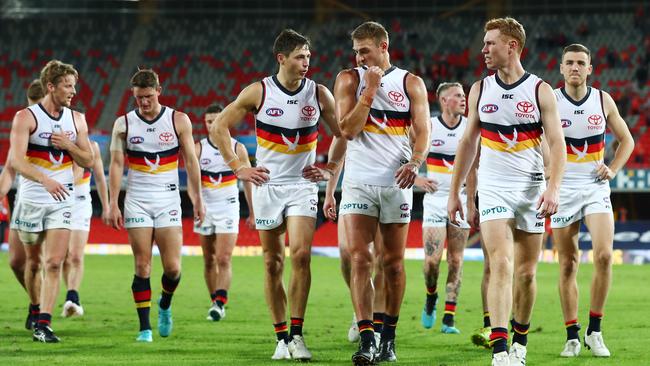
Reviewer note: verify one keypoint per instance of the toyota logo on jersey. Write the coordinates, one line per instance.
(395, 96)
(525, 107)
(489, 108)
(166, 136)
(595, 120)
(308, 111)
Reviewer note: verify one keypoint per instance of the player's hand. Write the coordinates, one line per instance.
(329, 207)
(115, 217)
(429, 185)
(250, 221)
(258, 175)
(405, 175)
(373, 77)
(106, 216)
(604, 173)
(61, 141)
(315, 174)
(56, 189)
(198, 210)
(454, 205)
(548, 203)
(473, 217)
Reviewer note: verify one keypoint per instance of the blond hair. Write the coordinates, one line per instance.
(54, 71)
(370, 30)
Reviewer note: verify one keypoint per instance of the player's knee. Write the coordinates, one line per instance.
(569, 267)
(223, 261)
(393, 266)
(75, 261)
(274, 265)
(301, 258)
(603, 259)
(210, 261)
(17, 264)
(143, 269)
(361, 259)
(526, 275)
(54, 264)
(455, 264)
(501, 266)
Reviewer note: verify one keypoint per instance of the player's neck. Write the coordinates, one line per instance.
(51, 107)
(287, 82)
(512, 72)
(153, 114)
(576, 92)
(450, 119)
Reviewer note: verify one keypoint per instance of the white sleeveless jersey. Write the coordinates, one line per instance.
(218, 182)
(511, 133)
(56, 164)
(583, 124)
(82, 186)
(444, 143)
(152, 150)
(287, 130)
(376, 153)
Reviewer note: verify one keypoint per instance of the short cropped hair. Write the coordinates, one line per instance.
(576, 47)
(214, 108)
(370, 30)
(54, 71)
(508, 27)
(444, 86)
(35, 91)
(288, 40)
(145, 78)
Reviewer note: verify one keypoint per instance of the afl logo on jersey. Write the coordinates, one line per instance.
(205, 161)
(437, 142)
(566, 123)
(45, 135)
(274, 112)
(489, 108)
(136, 140)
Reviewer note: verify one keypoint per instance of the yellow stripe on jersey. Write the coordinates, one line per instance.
(438, 169)
(587, 158)
(210, 185)
(48, 164)
(503, 147)
(388, 130)
(148, 169)
(284, 149)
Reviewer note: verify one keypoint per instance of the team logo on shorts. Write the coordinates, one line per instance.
(489, 108)
(437, 142)
(606, 200)
(404, 207)
(313, 201)
(67, 215)
(493, 210)
(274, 112)
(173, 212)
(229, 222)
(136, 140)
(205, 161)
(540, 216)
(566, 123)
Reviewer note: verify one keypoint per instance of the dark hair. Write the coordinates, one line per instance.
(214, 108)
(370, 30)
(35, 91)
(145, 78)
(54, 71)
(576, 47)
(288, 40)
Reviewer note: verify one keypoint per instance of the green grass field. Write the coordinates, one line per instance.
(105, 335)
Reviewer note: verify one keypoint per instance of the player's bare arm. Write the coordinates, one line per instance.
(115, 172)
(186, 142)
(622, 134)
(350, 113)
(417, 91)
(21, 128)
(465, 154)
(337, 147)
(247, 101)
(80, 151)
(7, 177)
(471, 188)
(100, 182)
(549, 201)
(242, 154)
